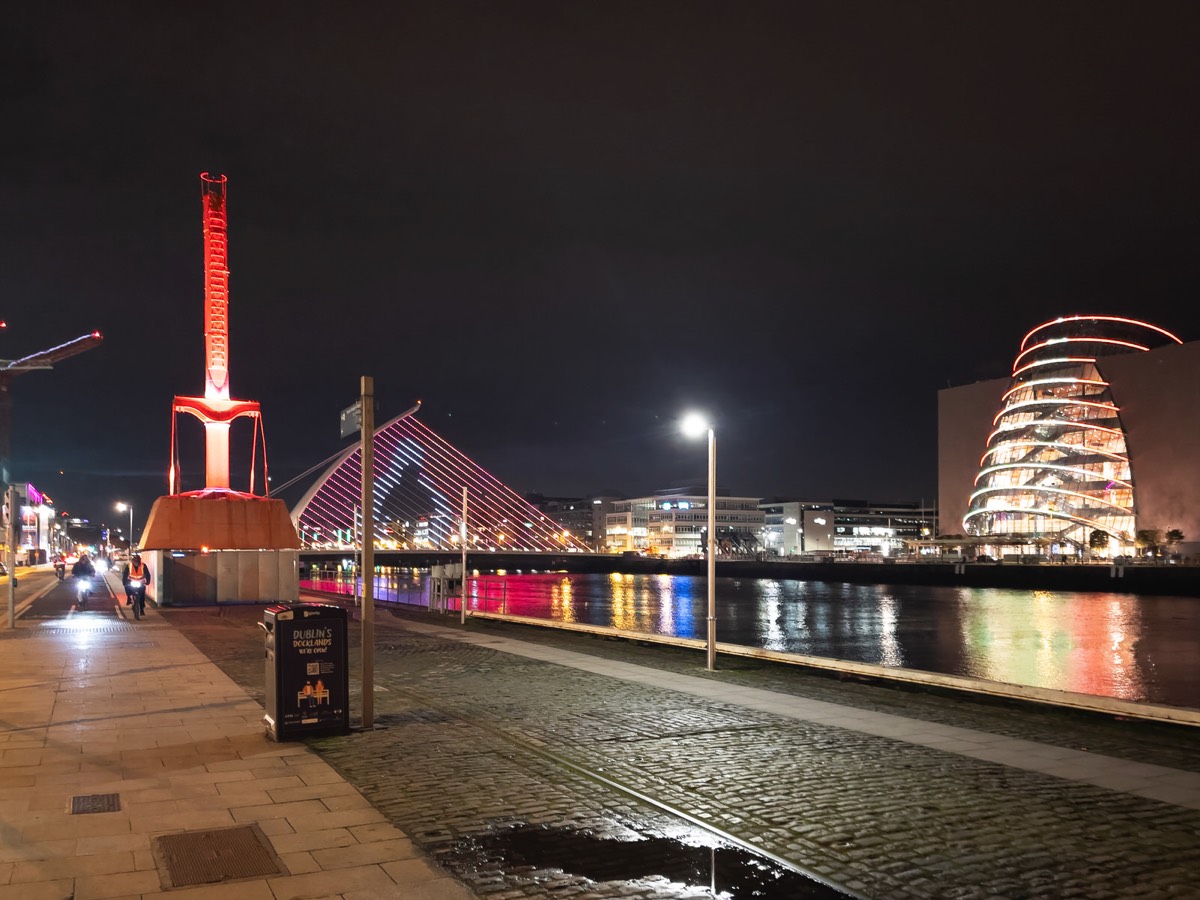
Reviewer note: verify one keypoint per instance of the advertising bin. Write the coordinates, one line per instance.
(307, 675)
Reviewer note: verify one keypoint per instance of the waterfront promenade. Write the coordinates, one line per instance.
(131, 766)
(531, 763)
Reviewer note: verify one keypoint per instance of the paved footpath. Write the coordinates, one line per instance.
(130, 764)
(531, 763)
(499, 744)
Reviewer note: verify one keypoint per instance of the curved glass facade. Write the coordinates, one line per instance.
(1056, 466)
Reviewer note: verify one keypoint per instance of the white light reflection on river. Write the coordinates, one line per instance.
(890, 652)
(1118, 645)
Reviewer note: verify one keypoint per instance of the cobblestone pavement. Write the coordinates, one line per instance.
(482, 748)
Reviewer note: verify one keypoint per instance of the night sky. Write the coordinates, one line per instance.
(560, 225)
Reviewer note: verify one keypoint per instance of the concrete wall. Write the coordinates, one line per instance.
(1158, 394)
(228, 576)
(964, 421)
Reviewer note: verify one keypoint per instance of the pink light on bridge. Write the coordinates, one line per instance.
(419, 478)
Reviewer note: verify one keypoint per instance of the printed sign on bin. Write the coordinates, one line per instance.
(313, 683)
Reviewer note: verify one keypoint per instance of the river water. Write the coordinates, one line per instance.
(1117, 645)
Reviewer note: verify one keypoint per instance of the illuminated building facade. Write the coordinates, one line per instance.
(851, 527)
(673, 524)
(1094, 430)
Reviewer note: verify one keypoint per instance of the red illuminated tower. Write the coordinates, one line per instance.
(217, 544)
(215, 409)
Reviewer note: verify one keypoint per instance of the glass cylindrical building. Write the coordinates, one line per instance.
(1056, 466)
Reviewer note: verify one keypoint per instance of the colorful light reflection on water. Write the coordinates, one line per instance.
(1117, 645)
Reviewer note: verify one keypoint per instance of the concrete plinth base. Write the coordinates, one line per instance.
(220, 546)
(191, 578)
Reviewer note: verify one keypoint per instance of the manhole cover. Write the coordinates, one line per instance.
(208, 857)
(95, 803)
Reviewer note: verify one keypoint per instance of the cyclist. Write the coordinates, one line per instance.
(135, 576)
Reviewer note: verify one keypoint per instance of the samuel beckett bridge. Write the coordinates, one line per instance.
(419, 481)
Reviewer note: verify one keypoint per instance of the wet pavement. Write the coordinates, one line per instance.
(533, 763)
(126, 757)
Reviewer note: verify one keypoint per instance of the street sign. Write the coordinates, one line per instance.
(351, 419)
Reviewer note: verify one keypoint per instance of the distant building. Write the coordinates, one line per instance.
(1095, 430)
(573, 514)
(793, 527)
(602, 505)
(674, 523)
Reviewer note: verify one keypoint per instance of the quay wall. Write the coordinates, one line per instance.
(1163, 580)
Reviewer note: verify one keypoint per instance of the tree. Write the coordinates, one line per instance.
(1174, 536)
(1098, 541)
(1149, 539)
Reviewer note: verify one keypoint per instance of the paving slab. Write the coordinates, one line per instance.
(98, 705)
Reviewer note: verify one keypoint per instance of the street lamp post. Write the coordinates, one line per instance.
(121, 507)
(695, 425)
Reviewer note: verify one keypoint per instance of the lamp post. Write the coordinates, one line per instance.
(121, 507)
(462, 538)
(694, 425)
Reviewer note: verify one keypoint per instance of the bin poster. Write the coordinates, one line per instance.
(314, 691)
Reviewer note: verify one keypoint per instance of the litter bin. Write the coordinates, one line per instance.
(307, 676)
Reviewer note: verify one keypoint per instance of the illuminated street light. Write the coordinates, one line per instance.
(121, 507)
(694, 425)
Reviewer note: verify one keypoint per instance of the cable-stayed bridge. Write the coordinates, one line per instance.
(419, 481)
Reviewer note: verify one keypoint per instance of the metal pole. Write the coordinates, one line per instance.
(462, 539)
(356, 541)
(10, 497)
(130, 529)
(712, 551)
(368, 550)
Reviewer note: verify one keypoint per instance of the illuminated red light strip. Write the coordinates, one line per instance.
(1077, 340)
(1066, 423)
(1024, 385)
(1096, 502)
(1121, 319)
(216, 287)
(1057, 361)
(1081, 449)
(1059, 402)
(1048, 513)
(1089, 475)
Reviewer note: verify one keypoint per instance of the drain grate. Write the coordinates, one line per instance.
(210, 857)
(51, 631)
(95, 803)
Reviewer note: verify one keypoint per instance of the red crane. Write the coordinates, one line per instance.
(215, 409)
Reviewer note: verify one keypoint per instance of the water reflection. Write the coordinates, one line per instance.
(1118, 645)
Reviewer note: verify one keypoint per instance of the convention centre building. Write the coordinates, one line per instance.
(1096, 429)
